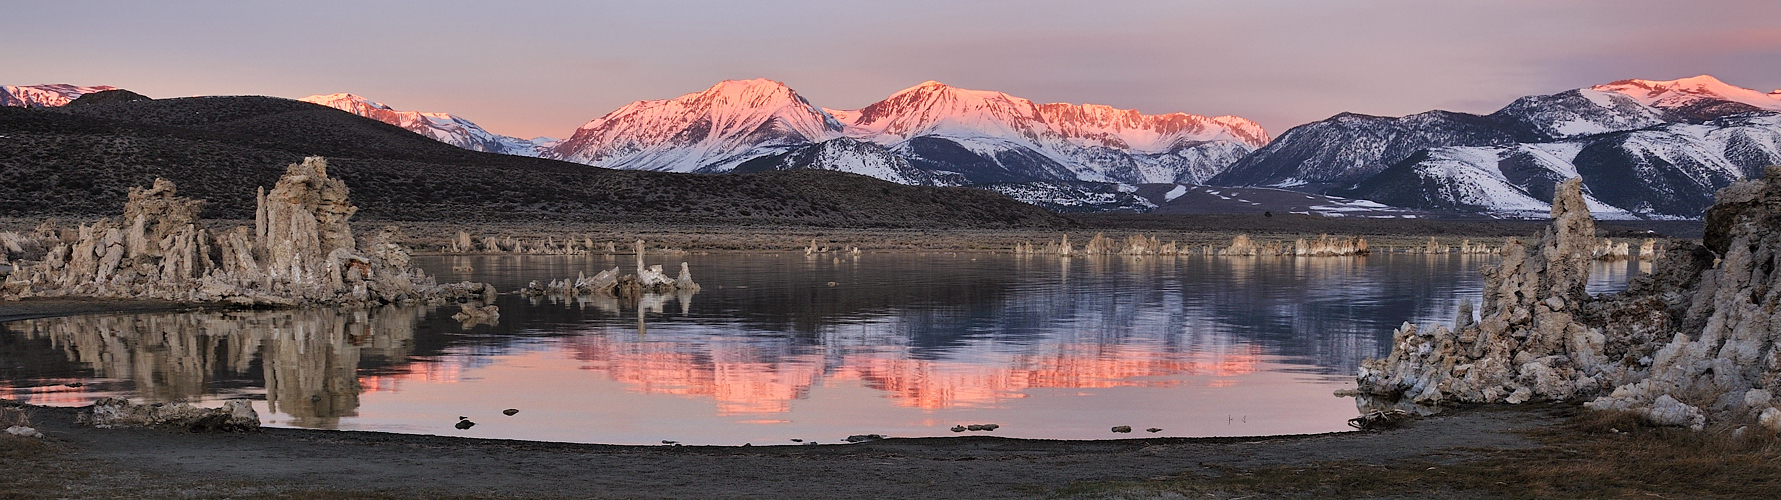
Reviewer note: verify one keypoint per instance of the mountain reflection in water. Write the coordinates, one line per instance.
(792, 346)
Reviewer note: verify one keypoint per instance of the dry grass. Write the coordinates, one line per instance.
(1592, 455)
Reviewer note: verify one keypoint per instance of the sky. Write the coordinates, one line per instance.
(543, 68)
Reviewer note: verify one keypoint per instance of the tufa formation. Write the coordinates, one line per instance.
(301, 251)
(1690, 344)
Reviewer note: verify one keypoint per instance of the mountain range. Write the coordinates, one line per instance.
(45, 96)
(442, 127)
(82, 158)
(930, 134)
(1646, 149)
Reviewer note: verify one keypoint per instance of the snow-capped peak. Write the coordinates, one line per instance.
(45, 96)
(442, 127)
(716, 128)
(344, 101)
(1668, 94)
(934, 108)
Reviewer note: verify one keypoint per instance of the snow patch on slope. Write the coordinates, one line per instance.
(708, 131)
(1667, 94)
(442, 127)
(45, 96)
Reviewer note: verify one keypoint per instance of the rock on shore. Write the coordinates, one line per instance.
(1692, 343)
(301, 250)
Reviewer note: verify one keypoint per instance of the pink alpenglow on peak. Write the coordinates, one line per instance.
(1678, 93)
(45, 96)
(442, 127)
(946, 131)
(934, 108)
(710, 130)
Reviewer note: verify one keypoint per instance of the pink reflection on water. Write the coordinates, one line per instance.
(734, 376)
(413, 372)
(49, 392)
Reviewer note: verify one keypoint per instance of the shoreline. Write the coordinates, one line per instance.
(353, 463)
(1553, 450)
(1190, 231)
(50, 307)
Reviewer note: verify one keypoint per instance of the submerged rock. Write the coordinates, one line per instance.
(649, 279)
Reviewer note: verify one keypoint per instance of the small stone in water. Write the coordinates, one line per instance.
(464, 423)
(509, 412)
(664, 441)
(975, 427)
(1153, 429)
(958, 428)
(991, 427)
(796, 440)
(860, 438)
(1122, 428)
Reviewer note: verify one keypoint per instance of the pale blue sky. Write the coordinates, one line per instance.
(546, 67)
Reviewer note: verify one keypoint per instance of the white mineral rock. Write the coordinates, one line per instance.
(301, 250)
(1700, 328)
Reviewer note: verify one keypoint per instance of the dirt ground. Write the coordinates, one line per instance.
(83, 462)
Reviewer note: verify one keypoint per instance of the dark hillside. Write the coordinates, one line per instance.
(80, 161)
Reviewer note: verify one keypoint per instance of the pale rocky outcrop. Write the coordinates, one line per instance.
(648, 279)
(1326, 246)
(1243, 245)
(1061, 248)
(1467, 247)
(301, 250)
(109, 413)
(464, 243)
(1608, 250)
(1694, 342)
(1527, 343)
(1648, 250)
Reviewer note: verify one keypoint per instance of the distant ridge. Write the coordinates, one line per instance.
(1645, 149)
(45, 96)
(930, 134)
(442, 127)
(79, 161)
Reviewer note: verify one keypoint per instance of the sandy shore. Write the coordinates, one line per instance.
(83, 462)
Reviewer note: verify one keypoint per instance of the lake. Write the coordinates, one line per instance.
(787, 348)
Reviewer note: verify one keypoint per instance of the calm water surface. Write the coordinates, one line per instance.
(779, 347)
